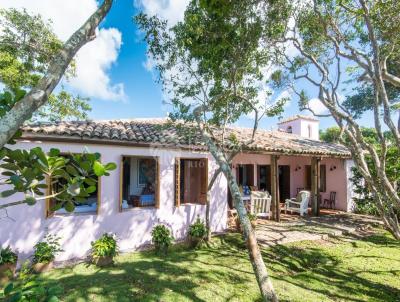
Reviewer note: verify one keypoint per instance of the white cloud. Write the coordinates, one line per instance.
(317, 106)
(94, 59)
(171, 10)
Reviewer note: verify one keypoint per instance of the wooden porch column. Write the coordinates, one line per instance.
(276, 210)
(315, 185)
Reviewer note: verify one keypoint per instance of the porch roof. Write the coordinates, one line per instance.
(163, 133)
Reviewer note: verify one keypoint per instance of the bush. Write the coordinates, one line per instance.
(161, 237)
(105, 246)
(46, 250)
(7, 256)
(198, 229)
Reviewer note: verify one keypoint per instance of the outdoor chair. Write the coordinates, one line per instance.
(298, 204)
(332, 200)
(260, 204)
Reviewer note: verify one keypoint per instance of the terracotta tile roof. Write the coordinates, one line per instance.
(161, 132)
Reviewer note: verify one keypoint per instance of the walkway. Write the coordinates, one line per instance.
(295, 228)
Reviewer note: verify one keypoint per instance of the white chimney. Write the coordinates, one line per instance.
(305, 126)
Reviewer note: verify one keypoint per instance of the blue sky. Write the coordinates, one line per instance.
(111, 69)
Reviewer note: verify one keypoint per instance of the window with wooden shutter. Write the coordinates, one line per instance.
(191, 181)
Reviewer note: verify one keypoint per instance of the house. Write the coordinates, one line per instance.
(162, 176)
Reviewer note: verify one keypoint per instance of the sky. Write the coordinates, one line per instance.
(113, 70)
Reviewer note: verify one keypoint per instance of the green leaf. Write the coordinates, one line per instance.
(110, 166)
(54, 152)
(8, 289)
(53, 299)
(91, 189)
(98, 168)
(7, 193)
(69, 206)
(71, 170)
(30, 200)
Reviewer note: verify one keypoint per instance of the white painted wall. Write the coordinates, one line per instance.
(132, 227)
(302, 127)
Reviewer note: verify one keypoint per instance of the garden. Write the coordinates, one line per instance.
(334, 269)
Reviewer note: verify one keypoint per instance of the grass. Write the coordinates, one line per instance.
(342, 269)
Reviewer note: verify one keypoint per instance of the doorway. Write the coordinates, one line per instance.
(284, 183)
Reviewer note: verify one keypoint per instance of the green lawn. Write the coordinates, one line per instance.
(342, 269)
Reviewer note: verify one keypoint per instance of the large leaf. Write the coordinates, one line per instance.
(7, 193)
(69, 206)
(8, 289)
(98, 168)
(111, 166)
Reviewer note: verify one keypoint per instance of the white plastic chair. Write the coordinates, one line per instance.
(260, 204)
(298, 204)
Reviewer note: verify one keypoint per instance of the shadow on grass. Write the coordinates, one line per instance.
(202, 275)
(317, 270)
(147, 277)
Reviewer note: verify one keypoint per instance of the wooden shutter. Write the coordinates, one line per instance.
(177, 181)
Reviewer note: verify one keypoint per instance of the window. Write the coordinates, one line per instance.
(322, 178)
(139, 182)
(289, 129)
(89, 204)
(309, 131)
(191, 181)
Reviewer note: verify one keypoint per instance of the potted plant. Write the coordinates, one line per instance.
(162, 239)
(197, 233)
(45, 253)
(8, 264)
(104, 250)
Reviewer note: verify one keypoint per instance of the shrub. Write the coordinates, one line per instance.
(105, 246)
(198, 229)
(161, 237)
(46, 250)
(7, 256)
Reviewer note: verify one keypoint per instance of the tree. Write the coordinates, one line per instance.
(25, 170)
(357, 39)
(23, 109)
(212, 67)
(27, 45)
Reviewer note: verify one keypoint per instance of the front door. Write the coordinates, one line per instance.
(284, 183)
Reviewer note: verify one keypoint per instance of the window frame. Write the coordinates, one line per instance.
(177, 183)
(49, 213)
(157, 186)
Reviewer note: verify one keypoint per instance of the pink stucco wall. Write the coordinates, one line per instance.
(132, 227)
(336, 180)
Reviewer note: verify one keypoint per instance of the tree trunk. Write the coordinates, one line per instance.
(263, 279)
(208, 202)
(37, 97)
